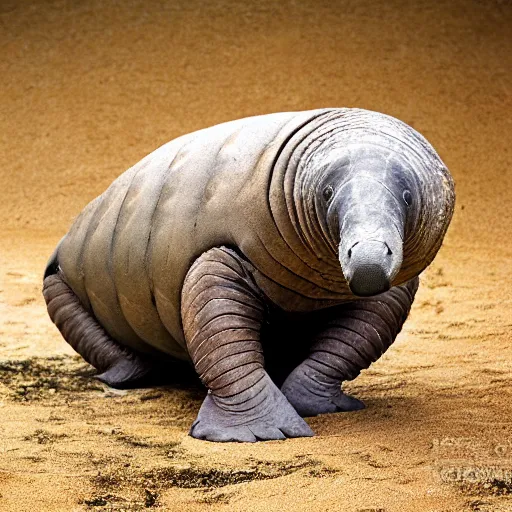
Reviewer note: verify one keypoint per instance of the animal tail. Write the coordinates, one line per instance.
(52, 267)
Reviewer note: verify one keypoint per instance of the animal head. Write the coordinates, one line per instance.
(378, 195)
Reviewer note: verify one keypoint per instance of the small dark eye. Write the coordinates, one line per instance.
(407, 197)
(328, 192)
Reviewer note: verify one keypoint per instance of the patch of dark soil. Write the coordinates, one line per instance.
(44, 437)
(115, 503)
(489, 505)
(99, 501)
(40, 378)
(195, 476)
(323, 472)
(36, 459)
(495, 487)
(190, 476)
(213, 496)
(169, 448)
(151, 395)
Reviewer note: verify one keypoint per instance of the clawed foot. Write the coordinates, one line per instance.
(312, 393)
(272, 417)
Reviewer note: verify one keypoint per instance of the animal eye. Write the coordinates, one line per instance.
(407, 197)
(328, 192)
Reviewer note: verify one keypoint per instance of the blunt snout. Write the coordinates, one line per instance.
(369, 267)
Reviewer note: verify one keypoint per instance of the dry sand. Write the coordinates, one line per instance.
(90, 87)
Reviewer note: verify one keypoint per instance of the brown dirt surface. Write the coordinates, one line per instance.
(89, 87)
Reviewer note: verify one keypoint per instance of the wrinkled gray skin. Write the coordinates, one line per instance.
(325, 217)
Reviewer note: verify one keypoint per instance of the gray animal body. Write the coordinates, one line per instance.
(326, 216)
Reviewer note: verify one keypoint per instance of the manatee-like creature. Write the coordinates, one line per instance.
(298, 236)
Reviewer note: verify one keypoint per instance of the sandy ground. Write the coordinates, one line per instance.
(89, 87)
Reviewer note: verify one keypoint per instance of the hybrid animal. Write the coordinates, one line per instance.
(304, 231)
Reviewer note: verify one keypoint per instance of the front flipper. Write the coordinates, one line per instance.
(222, 313)
(355, 335)
(313, 392)
(259, 415)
